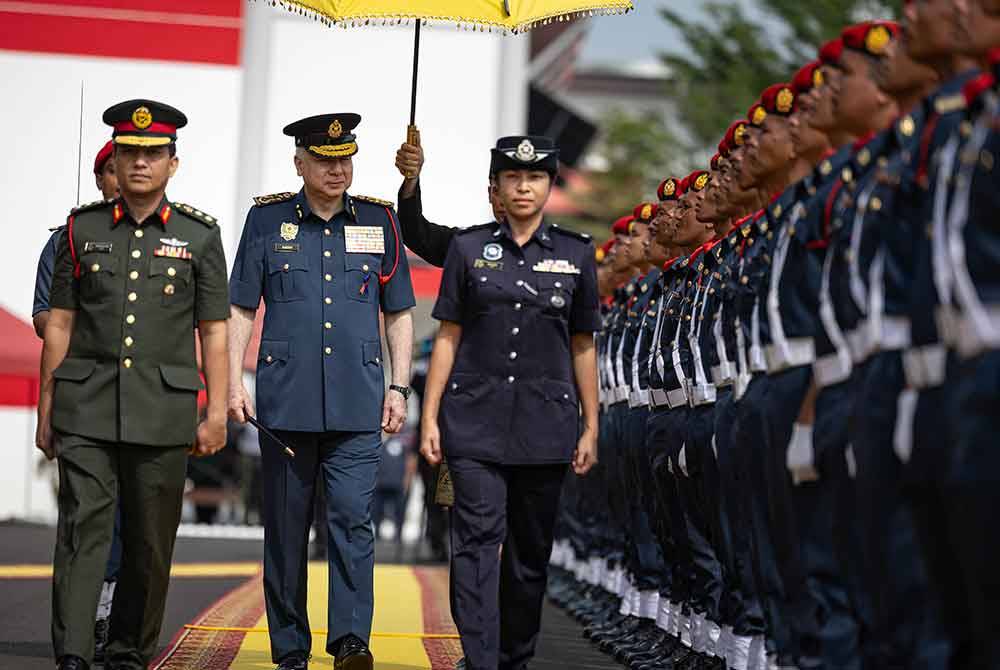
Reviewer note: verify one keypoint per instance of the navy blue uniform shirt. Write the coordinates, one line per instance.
(43, 277)
(320, 362)
(511, 397)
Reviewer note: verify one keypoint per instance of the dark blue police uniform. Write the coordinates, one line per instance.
(509, 418)
(320, 388)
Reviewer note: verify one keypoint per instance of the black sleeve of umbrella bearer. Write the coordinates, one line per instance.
(428, 240)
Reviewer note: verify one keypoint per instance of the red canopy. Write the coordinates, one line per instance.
(20, 353)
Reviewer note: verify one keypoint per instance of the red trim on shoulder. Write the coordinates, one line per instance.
(670, 263)
(828, 209)
(975, 88)
(117, 214)
(383, 280)
(72, 247)
(863, 140)
(925, 149)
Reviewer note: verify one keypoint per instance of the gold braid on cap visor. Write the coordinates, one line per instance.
(334, 150)
(142, 140)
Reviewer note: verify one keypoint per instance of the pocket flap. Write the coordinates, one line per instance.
(371, 353)
(75, 369)
(172, 268)
(272, 351)
(96, 263)
(361, 262)
(181, 377)
(559, 391)
(286, 262)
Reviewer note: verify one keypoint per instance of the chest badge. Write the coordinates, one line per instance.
(289, 231)
(557, 301)
(492, 252)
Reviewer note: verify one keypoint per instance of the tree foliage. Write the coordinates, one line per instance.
(721, 66)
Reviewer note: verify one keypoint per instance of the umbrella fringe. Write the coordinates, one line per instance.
(608, 8)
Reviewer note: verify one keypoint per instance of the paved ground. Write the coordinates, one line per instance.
(25, 603)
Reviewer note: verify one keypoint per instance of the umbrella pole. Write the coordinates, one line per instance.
(412, 134)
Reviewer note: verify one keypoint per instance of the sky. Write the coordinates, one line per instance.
(638, 36)
(641, 35)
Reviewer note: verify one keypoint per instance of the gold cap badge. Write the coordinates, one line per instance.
(785, 100)
(759, 114)
(647, 211)
(818, 79)
(739, 135)
(669, 188)
(701, 182)
(877, 39)
(141, 118)
(335, 130)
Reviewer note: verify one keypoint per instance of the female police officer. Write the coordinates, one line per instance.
(513, 363)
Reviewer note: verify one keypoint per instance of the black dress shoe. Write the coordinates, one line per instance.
(353, 654)
(297, 660)
(72, 663)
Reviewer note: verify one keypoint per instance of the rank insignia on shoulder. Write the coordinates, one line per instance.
(90, 206)
(262, 200)
(195, 214)
(374, 201)
(949, 103)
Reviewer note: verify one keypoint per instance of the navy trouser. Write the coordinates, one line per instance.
(706, 588)
(345, 464)
(646, 565)
(614, 460)
(846, 607)
(905, 609)
(974, 496)
(496, 597)
(752, 441)
(741, 602)
(665, 437)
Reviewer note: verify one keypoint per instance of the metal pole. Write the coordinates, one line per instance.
(416, 64)
(79, 149)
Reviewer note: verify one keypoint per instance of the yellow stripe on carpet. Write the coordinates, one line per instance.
(44, 571)
(398, 609)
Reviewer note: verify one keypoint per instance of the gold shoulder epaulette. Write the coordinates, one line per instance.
(376, 201)
(262, 200)
(949, 103)
(195, 214)
(90, 205)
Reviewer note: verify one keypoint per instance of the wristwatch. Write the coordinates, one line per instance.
(404, 391)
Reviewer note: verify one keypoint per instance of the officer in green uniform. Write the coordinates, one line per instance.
(133, 278)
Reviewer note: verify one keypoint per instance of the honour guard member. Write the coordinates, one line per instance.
(107, 184)
(326, 265)
(512, 366)
(118, 406)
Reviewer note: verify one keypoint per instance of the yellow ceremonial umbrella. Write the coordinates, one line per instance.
(504, 16)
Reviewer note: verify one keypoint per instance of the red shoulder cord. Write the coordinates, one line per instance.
(827, 212)
(72, 248)
(383, 280)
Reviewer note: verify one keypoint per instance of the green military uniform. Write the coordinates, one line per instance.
(125, 408)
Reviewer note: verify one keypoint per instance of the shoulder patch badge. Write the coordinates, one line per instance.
(262, 200)
(195, 214)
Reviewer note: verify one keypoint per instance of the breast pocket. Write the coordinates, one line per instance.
(171, 279)
(555, 294)
(98, 277)
(361, 276)
(287, 277)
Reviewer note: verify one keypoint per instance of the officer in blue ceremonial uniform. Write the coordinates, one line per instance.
(327, 265)
(512, 366)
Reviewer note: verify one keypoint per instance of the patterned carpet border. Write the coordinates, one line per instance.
(216, 650)
(434, 588)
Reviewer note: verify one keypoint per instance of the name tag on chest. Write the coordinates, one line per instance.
(364, 240)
